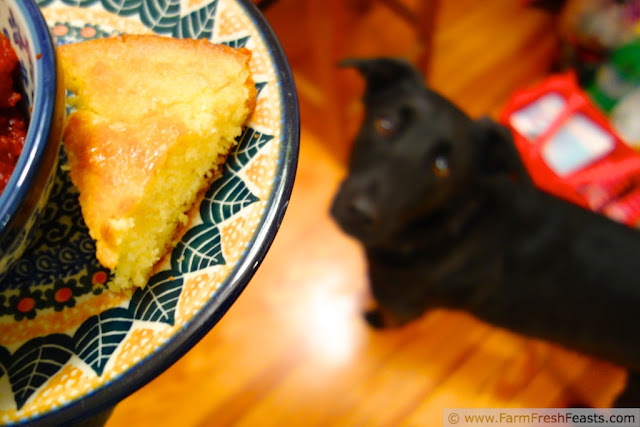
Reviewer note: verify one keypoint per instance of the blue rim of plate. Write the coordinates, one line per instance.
(108, 395)
(18, 187)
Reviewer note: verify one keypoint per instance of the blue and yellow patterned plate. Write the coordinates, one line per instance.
(68, 346)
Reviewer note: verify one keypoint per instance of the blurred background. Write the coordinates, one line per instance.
(294, 350)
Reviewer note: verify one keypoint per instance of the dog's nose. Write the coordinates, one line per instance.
(363, 210)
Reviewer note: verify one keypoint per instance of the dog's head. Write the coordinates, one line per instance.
(415, 153)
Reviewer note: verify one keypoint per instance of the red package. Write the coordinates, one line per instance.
(570, 149)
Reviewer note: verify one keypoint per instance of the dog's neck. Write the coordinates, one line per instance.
(435, 231)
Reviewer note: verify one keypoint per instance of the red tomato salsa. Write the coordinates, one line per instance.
(13, 121)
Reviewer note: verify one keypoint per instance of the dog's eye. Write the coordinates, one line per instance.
(391, 123)
(385, 125)
(440, 164)
(441, 167)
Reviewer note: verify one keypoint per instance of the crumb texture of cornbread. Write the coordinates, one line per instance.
(154, 116)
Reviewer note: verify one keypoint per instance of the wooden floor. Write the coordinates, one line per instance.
(294, 350)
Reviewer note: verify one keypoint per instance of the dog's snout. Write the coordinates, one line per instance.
(357, 207)
(363, 209)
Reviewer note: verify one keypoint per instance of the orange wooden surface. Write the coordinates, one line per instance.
(293, 350)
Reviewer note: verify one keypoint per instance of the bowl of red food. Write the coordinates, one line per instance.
(31, 117)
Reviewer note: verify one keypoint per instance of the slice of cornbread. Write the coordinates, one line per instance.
(155, 118)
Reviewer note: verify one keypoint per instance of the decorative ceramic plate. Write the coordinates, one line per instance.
(68, 346)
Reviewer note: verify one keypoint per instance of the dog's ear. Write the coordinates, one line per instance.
(498, 153)
(383, 73)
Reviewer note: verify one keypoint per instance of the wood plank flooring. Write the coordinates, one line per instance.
(293, 350)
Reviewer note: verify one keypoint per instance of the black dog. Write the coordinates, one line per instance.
(449, 217)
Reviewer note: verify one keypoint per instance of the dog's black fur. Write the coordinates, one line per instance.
(449, 217)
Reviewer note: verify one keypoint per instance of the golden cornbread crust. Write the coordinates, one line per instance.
(154, 116)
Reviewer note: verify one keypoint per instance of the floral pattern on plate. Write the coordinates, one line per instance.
(62, 334)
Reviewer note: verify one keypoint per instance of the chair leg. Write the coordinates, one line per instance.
(326, 23)
(402, 11)
(426, 30)
(423, 19)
